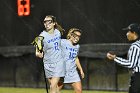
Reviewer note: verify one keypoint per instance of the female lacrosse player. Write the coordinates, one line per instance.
(54, 65)
(70, 50)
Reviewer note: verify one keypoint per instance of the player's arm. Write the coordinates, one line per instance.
(80, 67)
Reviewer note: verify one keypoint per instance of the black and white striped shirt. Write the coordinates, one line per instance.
(133, 58)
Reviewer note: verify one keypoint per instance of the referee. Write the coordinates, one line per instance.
(133, 58)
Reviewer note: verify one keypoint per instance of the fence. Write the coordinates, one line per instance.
(20, 68)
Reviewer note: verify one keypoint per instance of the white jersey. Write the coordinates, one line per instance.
(70, 53)
(53, 62)
(52, 51)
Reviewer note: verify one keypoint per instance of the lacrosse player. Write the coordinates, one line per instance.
(70, 50)
(54, 65)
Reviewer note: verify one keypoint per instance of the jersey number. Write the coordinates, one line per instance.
(72, 55)
(56, 46)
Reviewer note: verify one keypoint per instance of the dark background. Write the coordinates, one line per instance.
(101, 22)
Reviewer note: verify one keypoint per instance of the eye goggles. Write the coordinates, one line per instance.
(48, 21)
(75, 35)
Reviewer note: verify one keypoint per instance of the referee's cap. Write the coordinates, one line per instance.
(135, 27)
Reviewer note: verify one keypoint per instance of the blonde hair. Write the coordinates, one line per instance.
(72, 30)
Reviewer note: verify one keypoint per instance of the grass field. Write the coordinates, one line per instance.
(40, 90)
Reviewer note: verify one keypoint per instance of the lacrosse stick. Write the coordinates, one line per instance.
(38, 43)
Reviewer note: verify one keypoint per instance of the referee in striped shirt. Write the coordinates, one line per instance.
(133, 60)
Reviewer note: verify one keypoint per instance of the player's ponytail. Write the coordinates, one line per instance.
(59, 27)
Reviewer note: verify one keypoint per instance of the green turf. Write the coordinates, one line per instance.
(40, 90)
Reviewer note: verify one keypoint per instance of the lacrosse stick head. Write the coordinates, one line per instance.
(38, 43)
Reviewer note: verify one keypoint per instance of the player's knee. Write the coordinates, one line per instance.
(53, 86)
(78, 90)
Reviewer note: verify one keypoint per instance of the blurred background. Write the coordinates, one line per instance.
(101, 22)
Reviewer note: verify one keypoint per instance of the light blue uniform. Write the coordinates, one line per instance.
(70, 53)
(53, 62)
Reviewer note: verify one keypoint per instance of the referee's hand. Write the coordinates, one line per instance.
(111, 56)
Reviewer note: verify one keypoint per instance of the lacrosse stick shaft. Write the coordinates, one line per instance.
(46, 85)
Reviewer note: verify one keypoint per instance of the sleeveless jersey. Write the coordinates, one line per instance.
(70, 53)
(54, 65)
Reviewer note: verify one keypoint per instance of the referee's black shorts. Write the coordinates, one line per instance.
(135, 83)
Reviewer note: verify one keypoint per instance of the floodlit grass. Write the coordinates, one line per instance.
(40, 90)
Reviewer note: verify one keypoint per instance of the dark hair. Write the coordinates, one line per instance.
(57, 26)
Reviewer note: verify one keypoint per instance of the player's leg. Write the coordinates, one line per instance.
(53, 84)
(77, 87)
(60, 84)
(49, 80)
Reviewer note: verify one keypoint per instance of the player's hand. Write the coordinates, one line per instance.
(82, 74)
(111, 56)
(40, 55)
